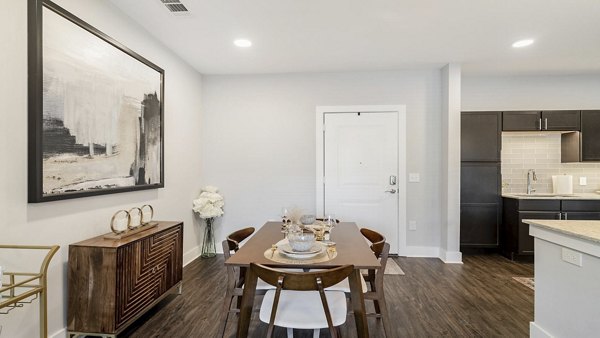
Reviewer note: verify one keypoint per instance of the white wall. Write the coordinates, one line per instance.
(258, 141)
(450, 221)
(65, 222)
(531, 92)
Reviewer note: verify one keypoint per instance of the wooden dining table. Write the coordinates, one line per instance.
(351, 247)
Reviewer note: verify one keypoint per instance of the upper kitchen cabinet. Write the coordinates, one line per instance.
(521, 120)
(480, 136)
(583, 146)
(548, 120)
(561, 120)
(590, 131)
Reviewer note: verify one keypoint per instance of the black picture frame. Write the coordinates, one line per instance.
(44, 142)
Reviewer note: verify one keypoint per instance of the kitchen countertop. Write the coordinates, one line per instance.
(587, 230)
(544, 196)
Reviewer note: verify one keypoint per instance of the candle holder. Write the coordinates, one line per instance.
(138, 220)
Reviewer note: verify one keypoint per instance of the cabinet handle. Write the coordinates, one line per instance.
(560, 215)
(565, 217)
(546, 123)
(540, 123)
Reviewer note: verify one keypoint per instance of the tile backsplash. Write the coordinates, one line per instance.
(541, 151)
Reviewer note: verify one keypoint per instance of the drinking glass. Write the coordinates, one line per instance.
(330, 220)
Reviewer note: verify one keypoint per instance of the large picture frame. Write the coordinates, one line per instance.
(96, 111)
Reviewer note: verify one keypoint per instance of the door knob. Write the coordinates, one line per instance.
(391, 191)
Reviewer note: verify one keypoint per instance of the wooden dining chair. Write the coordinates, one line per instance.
(374, 278)
(300, 300)
(235, 277)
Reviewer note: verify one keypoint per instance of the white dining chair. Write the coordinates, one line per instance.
(300, 300)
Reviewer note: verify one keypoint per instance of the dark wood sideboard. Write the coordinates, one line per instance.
(111, 283)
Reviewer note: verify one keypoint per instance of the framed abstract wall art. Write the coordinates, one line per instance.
(95, 111)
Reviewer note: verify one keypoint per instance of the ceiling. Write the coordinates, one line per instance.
(362, 35)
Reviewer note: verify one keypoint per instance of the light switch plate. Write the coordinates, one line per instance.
(414, 177)
(412, 225)
(572, 257)
(582, 180)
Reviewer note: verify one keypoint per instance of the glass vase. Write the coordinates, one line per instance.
(208, 244)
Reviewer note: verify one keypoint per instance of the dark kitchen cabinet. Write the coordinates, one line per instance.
(590, 135)
(479, 182)
(581, 216)
(481, 207)
(523, 240)
(480, 136)
(515, 241)
(561, 120)
(521, 120)
(548, 120)
(479, 223)
(581, 209)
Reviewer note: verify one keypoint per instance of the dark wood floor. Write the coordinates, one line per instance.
(433, 299)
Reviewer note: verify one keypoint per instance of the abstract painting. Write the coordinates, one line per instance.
(96, 111)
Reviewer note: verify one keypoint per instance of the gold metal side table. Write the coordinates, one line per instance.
(24, 287)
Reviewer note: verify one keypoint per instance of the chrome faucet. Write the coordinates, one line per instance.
(530, 178)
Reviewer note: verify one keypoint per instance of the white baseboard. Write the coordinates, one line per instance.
(62, 333)
(194, 253)
(422, 251)
(191, 255)
(536, 331)
(451, 257)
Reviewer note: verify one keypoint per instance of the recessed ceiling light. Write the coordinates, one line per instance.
(522, 43)
(242, 43)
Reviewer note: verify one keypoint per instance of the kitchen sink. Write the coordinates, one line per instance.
(544, 195)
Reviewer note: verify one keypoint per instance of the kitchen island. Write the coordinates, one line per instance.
(567, 277)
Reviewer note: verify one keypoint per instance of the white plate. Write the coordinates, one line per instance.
(304, 255)
(314, 249)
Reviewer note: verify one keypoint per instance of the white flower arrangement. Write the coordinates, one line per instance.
(210, 203)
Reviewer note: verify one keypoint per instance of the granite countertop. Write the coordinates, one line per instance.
(548, 196)
(588, 230)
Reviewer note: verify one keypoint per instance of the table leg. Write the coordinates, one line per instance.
(358, 304)
(247, 303)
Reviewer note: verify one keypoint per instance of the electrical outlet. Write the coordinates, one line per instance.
(414, 177)
(572, 257)
(583, 180)
(412, 225)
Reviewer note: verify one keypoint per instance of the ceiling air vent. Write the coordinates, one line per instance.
(175, 6)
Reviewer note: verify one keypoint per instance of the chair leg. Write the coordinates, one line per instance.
(385, 316)
(225, 314)
(290, 332)
(376, 304)
(316, 333)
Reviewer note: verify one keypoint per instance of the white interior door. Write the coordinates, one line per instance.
(361, 170)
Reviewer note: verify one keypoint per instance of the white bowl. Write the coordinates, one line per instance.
(301, 241)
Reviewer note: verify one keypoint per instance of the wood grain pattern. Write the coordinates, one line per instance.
(111, 286)
(433, 299)
(91, 289)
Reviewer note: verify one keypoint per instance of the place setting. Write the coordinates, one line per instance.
(304, 239)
